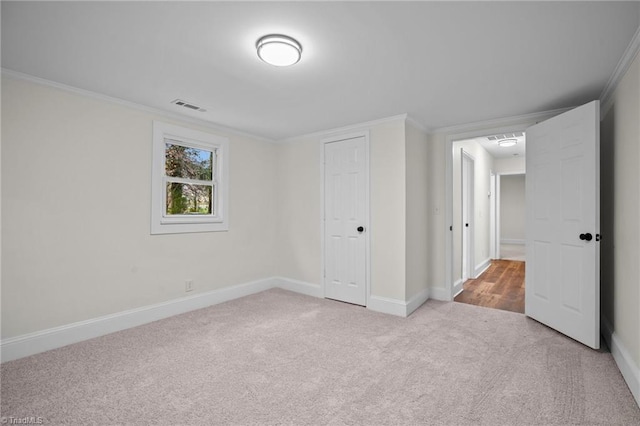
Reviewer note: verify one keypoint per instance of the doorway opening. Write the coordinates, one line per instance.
(562, 218)
(489, 211)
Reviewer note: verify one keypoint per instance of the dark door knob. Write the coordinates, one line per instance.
(466, 224)
(361, 229)
(586, 237)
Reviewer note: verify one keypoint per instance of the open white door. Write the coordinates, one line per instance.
(563, 223)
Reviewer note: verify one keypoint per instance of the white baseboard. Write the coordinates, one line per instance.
(512, 241)
(387, 305)
(416, 301)
(296, 286)
(457, 287)
(630, 371)
(52, 338)
(397, 307)
(440, 293)
(480, 268)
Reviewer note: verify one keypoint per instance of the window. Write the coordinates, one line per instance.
(190, 178)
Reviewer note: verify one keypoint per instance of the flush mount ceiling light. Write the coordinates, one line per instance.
(507, 142)
(279, 50)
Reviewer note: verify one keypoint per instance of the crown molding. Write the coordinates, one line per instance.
(606, 97)
(133, 105)
(501, 122)
(410, 119)
(344, 129)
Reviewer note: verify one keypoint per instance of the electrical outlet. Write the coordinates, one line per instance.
(188, 285)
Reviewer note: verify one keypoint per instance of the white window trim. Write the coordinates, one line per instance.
(160, 224)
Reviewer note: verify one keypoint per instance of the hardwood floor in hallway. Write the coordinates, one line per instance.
(500, 287)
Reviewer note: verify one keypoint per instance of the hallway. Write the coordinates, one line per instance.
(499, 287)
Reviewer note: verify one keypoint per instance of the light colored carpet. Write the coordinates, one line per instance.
(282, 358)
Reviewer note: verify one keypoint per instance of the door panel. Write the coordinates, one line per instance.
(345, 210)
(562, 276)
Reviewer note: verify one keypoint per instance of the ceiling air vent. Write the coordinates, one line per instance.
(188, 105)
(505, 136)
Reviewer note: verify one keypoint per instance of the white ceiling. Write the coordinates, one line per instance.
(443, 63)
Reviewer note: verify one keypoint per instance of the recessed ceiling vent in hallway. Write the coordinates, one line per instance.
(188, 105)
(505, 136)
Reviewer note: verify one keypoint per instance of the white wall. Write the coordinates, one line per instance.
(1, 243)
(388, 210)
(299, 210)
(512, 208)
(513, 165)
(417, 222)
(299, 199)
(400, 204)
(76, 172)
(438, 223)
(76, 175)
(620, 211)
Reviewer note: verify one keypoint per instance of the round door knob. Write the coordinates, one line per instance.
(361, 229)
(586, 237)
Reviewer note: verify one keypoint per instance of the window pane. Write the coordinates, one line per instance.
(188, 163)
(188, 199)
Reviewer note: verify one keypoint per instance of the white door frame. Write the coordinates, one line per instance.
(336, 138)
(492, 215)
(507, 125)
(494, 247)
(498, 217)
(468, 207)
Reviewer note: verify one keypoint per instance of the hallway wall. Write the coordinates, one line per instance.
(512, 209)
(620, 201)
